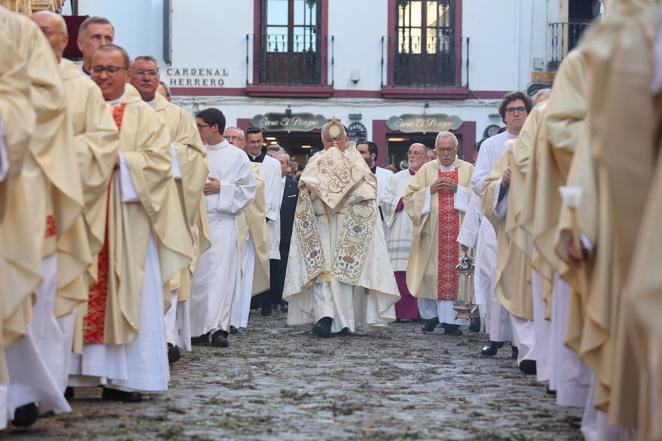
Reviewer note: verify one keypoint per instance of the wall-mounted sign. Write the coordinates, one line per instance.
(195, 76)
(357, 132)
(293, 122)
(409, 123)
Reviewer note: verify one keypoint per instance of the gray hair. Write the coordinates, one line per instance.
(546, 91)
(93, 20)
(60, 21)
(147, 58)
(276, 148)
(446, 134)
(241, 132)
(282, 154)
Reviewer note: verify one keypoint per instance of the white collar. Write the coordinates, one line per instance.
(117, 101)
(223, 144)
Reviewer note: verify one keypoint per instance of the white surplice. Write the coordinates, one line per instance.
(273, 195)
(215, 281)
(541, 326)
(399, 229)
(241, 306)
(383, 178)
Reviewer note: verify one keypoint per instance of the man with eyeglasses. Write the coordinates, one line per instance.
(44, 241)
(502, 199)
(514, 109)
(399, 229)
(96, 144)
(230, 188)
(253, 244)
(436, 201)
(93, 33)
(145, 245)
(189, 166)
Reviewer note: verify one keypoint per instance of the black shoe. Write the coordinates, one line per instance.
(343, 332)
(474, 324)
(69, 393)
(283, 306)
(234, 330)
(515, 353)
(266, 310)
(120, 395)
(430, 324)
(323, 327)
(220, 339)
(451, 329)
(491, 347)
(528, 367)
(202, 340)
(547, 389)
(25, 415)
(173, 353)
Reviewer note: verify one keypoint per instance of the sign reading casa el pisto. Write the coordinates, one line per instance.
(410, 123)
(293, 122)
(196, 76)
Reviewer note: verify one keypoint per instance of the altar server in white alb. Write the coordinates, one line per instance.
(369, 151)
(399, 229)
(229, 189)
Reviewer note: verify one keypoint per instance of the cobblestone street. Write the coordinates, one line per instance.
(282, 383)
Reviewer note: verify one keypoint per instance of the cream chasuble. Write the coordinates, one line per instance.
(192, 163)
(155, 208)
(20, 262)
(97, 143)
(55, 219)
(512, 271)
(426, 279)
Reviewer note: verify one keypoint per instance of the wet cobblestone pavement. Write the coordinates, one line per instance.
(282, 383)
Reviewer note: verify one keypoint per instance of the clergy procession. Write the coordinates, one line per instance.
(133, 233)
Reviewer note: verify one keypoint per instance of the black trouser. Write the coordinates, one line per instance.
(275, 292)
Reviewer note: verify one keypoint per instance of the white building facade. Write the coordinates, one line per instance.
(393, 71)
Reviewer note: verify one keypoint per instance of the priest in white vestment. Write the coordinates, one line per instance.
(228, 191)
(144, 244)
(369, 151)
(53, 219)
(339, 275)
(270, 171)
(399, 229)
(513, 110)
(96, 142)
(435, 201)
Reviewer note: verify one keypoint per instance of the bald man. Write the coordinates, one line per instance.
(399, 229)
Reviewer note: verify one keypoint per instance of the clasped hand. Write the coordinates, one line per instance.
(444, 185)
(212, 186)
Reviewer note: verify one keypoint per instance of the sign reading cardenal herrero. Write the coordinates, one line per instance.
(410, 123)
(196, 76)
(294, 122)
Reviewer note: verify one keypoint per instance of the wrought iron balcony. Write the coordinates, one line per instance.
(430, 63)
(563, 37)
(278, 62)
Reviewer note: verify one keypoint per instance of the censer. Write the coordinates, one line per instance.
(466, 310)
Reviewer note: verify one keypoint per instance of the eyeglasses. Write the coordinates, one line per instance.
(447, 151)
(202, 125)
(149, 73)
(512, 110)
(111, 70)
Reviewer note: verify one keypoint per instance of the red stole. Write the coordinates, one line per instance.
(95, 321)
(449, 229)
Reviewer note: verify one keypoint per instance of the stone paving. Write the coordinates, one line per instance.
(283, 383)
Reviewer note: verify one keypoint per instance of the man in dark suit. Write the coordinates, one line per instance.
(287, 208)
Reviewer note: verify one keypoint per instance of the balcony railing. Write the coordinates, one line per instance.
(276, 62)
(437, 62)
(563, 37)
